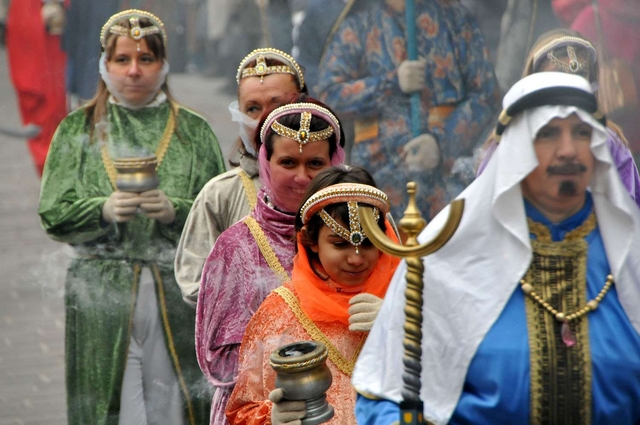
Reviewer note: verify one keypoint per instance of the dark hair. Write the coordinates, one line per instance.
(96, 108)
(339, 211)
(293, 121)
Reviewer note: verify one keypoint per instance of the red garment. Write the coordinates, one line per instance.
(620, 28)
(37, 68)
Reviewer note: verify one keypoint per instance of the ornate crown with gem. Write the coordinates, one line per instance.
(136, 32)
(351, 194)
(261, 69)
(303, 135)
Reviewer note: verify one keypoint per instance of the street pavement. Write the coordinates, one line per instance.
(33, 268)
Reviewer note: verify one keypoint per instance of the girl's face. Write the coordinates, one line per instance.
(292, 171)
(134, 74)
(340, 261)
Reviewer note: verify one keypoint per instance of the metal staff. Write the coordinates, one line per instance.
(412, 223)
(412, 53)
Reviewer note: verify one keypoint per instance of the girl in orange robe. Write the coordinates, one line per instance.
(337, 284)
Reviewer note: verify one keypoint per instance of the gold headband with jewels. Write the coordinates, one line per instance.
(351, 193)
(136, 32)
(569, 42)
(261, 69)
(303, 135)
(574, 65)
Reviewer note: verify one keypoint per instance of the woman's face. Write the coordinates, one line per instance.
(134, 74)
(340, 261)
(255, 96)
(292, 171)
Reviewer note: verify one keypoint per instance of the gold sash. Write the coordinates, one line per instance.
(344, 365)
(560, 375)
(249, 189)
(266, 250)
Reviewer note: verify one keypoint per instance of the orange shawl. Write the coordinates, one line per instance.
(322, 300)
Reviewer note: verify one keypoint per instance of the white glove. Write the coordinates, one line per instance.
(286, 412)
(412, 75)
(421, 153)
(155, 205)
(363, 312)
(120, 207)
(53, 17)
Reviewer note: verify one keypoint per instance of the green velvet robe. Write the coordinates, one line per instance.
(102, 282)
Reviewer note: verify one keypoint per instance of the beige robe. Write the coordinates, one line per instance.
(221, 202)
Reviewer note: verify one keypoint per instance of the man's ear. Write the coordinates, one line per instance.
(306, 240)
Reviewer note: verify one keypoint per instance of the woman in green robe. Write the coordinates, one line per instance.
(130, 355)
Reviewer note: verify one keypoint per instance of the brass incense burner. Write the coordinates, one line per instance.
(303, 374)
(136, 174)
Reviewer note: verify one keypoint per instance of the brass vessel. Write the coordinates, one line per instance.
(136, 174)
(303, 374)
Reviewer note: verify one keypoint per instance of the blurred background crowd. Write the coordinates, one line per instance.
(210, 37)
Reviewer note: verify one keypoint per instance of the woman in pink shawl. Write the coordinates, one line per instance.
(255, 255)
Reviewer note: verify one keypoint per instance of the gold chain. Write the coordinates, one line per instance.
(161, 151)
(266, 250)
(345, 366)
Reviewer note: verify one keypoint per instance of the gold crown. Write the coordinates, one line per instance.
(303, 135)
(136, 32)
(261, 69)
(566, 40)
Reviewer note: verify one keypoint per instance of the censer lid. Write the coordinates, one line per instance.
(298, 356)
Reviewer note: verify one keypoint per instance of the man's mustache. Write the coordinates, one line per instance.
(566, 169)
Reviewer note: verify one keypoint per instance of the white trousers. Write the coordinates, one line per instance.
(150, 390)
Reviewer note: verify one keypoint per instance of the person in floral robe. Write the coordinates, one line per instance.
(365, 74)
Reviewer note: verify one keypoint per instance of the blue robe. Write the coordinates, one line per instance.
(497, 386)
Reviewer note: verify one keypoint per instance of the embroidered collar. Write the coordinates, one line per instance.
(559, 231)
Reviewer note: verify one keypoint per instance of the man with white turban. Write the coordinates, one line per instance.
(531, 309)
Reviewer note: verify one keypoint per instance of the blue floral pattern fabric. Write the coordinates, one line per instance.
(359, 79)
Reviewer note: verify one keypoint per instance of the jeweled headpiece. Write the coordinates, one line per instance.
(351, 194)
(303, 135)
(136, 32)
(261, 69)
(570, 43)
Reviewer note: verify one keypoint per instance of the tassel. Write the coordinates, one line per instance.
(568, 337)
